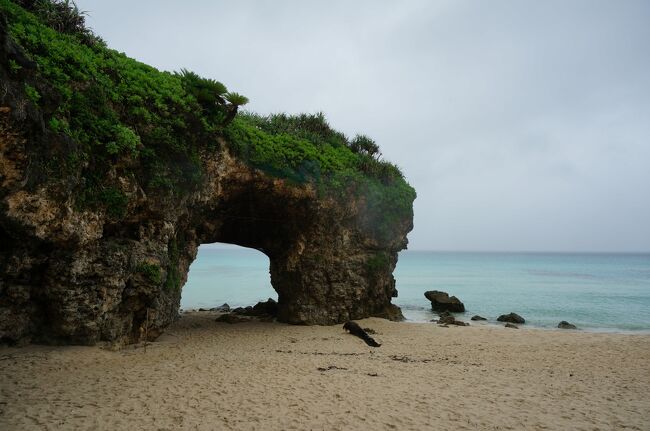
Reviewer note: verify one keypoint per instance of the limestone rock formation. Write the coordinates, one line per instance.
(441, 301)
(98, 248)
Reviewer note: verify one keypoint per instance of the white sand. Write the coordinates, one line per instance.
(265, 376)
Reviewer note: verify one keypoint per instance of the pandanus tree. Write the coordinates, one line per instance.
(362, 144)
(235, 100)
(207, 92)
(212, 96)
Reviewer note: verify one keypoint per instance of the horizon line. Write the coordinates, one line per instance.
(532, 251)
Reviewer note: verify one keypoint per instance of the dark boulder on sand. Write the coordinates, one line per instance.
(244, 311)
(451, 320)
(266, 308)
(510, 325)
(441, 301)
(511, 318)
(566, 325)
(262, 308)
(477, 317)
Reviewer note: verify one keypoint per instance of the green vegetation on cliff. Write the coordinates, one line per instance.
(110, 113)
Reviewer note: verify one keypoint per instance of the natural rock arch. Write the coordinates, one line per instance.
(79, 277)
(105, 258)
(321, 260)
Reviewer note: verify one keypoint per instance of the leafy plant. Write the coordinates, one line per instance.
(150, 271)
(63, 16)
(173, 280)
(13, 66)
(125, 140)
(236, 99)
(362, 144)
(114, 200)
(32, 93)
(207, 92)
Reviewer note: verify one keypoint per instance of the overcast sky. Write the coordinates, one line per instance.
(523, 125)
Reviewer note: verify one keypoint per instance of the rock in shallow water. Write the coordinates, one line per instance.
(566, 325)
(511, 318)
(477, 317)
(442, 301)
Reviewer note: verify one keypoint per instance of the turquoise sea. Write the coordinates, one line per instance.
(602, 292)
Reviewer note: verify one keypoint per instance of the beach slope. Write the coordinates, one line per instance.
(259, 375)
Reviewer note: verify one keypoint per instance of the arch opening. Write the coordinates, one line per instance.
(227, 274)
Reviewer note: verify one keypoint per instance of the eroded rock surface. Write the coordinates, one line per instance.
(511, 318)
(77, 277)
(441, 301)
(70, 274)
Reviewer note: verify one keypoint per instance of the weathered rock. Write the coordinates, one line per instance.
(477, 317)
(225, 308)
(445, 320)
(82, 274)
(511, 318)
(390, 312)
(441, 301)
(510, 325)
(451, 320)
(266, 308)
(566, 325)
(244, 311)
(231, 318)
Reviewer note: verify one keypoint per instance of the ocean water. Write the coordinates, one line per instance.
(601, 292)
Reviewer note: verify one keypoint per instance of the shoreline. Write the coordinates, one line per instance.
(203, 374)
(612, 331)
(490, 323)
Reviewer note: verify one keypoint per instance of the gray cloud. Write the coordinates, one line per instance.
(523, 125)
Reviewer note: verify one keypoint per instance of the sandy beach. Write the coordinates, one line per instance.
(265, 376)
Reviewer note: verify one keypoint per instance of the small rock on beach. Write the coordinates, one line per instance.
(511, 318)
(566, 325)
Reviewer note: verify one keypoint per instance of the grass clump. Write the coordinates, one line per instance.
(150, 271)
(377, 262)
(32, 93)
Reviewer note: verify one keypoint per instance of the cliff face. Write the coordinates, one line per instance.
(79, 272)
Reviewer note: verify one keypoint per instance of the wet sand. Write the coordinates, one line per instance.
(264, 376)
